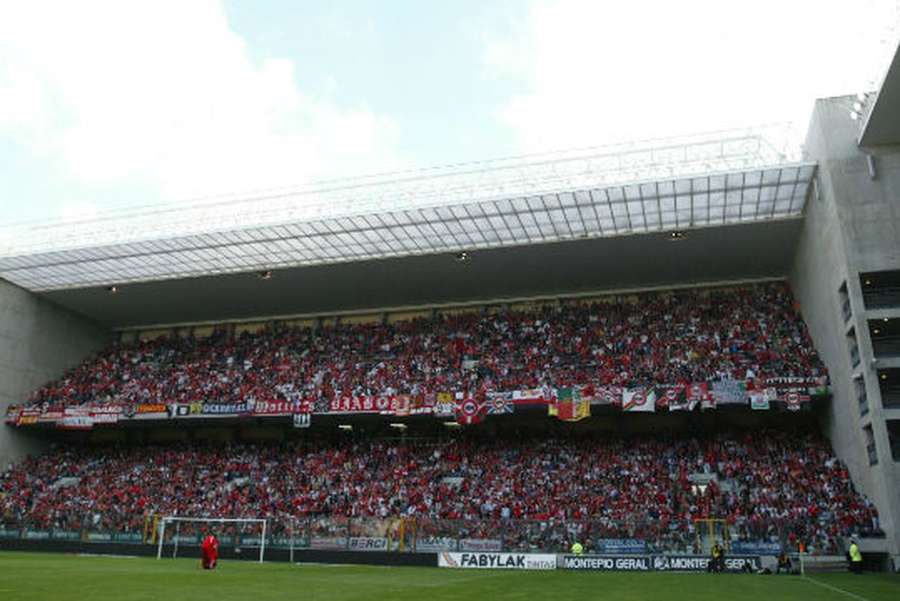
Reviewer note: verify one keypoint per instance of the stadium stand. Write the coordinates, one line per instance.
(529, 494)
(743, 333)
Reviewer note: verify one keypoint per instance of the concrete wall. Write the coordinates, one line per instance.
(38, 342)
(852, 224)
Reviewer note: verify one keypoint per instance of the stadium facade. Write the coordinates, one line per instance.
(734, 207)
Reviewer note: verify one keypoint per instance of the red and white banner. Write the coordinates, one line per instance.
(105, 414)
(607, 395)
(698, 392)
(531, 396)
(469, 411)
(361, 404)
(639, 400)
(51, 415)
(277, 407)
(675, 398)
(794, 400)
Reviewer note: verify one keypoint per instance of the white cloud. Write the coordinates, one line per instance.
(597, 72)
(165, 95)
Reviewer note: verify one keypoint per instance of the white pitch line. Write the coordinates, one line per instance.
(834, 588)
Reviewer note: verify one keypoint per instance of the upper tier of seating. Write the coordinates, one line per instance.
(656, 338)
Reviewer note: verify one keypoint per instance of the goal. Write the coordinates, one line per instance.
(247, 533)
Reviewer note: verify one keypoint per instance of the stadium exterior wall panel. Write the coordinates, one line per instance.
(38, 342)
(851, 226)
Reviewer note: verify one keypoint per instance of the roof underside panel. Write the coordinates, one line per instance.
(759, 250)
(679, 204)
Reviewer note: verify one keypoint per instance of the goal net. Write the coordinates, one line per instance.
(174, 533)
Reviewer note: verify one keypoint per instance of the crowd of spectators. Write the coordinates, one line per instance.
(531, 494)
(669, 338)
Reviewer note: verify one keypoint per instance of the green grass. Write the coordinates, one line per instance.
(32, 576)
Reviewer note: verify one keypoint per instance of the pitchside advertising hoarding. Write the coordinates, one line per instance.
(607, 563)
(694, 563)
(655, 563)
(497, 561)
(367, 543)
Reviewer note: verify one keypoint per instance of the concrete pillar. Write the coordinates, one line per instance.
(39, 341)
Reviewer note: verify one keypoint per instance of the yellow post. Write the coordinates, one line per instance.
(712, 529)
(151, 528)
(401, 531)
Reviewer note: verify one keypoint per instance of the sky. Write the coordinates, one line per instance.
(119, 104)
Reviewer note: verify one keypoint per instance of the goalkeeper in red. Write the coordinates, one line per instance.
(210, 551)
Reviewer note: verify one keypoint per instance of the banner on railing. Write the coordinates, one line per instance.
(497, 561)
(105, 414)
(12, 414)
(480, 544)
(755, 548)
(435, 544)
(639, 400)
(51, 415)
(328, 542)
(147, 411)
(791, 393)
(65, 535)
(36, 535)
(273, 408)
(28, 417)
(75, 422)
(225, 409)
(621, 546)
(186, 410)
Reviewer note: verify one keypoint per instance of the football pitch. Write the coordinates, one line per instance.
(31, 576)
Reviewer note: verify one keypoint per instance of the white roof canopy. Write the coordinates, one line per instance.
(658, 185)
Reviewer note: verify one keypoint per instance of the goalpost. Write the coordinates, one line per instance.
(177, 521)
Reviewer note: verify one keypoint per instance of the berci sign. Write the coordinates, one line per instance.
(498, 561)
(367, 543)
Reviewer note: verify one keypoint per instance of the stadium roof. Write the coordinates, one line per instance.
(748, 251)
(725, 178)
(882, 125)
